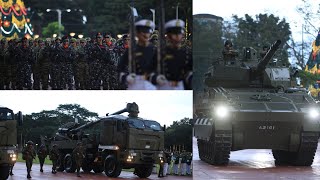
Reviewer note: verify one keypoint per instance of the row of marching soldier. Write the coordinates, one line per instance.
(98, 63)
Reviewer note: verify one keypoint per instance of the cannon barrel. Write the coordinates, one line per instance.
(130, 107)
(265, 60)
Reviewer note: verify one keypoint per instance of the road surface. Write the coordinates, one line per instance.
(20, 173)
(252, 165)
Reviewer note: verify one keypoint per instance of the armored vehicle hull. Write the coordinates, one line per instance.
(253, 106)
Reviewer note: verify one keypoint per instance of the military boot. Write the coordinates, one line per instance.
(28, 176)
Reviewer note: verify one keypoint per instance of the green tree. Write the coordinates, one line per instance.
(179, 134)
(47, 122)
(207, 47)
(263, 30)
(52, 28)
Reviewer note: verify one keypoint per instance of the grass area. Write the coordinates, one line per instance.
(35, 161)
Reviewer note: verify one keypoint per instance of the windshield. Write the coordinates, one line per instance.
(152, 125)
(4, 115)
(144, 124)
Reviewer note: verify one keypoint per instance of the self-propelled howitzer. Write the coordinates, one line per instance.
(251, 104)
(115, 142)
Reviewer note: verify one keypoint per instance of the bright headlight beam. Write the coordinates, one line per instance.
(221, 111)
(313, 113)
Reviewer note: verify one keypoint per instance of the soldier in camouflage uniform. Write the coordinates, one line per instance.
(36, 65)
(3, 63)
(95, 59)
(44, 63)
(12, 64)
(81, 69)
(56, 65)
(78, 155)
(42, 154)
(24, 60)
(28, 154)
(54, 156)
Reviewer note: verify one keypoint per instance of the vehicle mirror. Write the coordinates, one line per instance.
(20, 118)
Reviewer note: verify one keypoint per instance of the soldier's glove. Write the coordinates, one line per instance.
(161, 80)
(131, 78)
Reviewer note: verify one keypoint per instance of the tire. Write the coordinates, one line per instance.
(143, 171)
(112, 167)
(69, 164)
(4, 172)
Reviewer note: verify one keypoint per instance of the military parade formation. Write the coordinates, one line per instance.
(100, 62)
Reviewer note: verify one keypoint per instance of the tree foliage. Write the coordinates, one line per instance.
(207, 46)
(179, 134)
(103, 15)
(52, 28)
(263, 30)
(47, 122)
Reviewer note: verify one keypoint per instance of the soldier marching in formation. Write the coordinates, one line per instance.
(54, 156)
(42, 154)
(100, 63)
(78, 155)
(28, 154)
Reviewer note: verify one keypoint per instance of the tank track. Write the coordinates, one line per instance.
(217, 150)
(307, 150)
(304, 156)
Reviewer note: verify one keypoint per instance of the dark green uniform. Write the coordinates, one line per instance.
(78, 155)
(81, 68)
(42, 154)
(54, 156)
(28, 154)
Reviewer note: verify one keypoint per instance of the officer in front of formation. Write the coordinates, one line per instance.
(28, 154)
(135, 73)
(176, 65)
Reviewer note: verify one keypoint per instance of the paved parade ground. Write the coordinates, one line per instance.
(20, 172)
(252, 165)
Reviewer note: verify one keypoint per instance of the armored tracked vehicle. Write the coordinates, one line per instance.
(121, 142)
(8, 140)
(252, 103)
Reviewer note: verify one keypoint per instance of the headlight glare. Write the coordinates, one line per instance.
(221, 111)
(313, 113)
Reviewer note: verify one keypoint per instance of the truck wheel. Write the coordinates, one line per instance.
(143, 171)
(4, 172)
(112, 167)
(69, 164)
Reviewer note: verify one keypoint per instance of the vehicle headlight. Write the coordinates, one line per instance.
(221, 111)
(313, 113)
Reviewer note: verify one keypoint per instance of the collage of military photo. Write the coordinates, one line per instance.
(160, 89)
(114, 53)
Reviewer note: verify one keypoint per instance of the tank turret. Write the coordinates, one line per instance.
(261, 66)
(248, 72)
